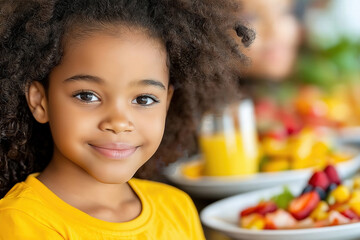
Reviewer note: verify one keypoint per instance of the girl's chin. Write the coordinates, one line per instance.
(112, 177)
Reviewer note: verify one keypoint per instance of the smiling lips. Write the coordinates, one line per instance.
(115, 150)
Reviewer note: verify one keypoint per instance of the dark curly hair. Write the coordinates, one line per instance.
(203, 62)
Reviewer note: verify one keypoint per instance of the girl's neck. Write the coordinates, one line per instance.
(108, 202)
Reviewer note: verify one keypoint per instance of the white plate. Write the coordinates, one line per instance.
(349, 135)
(223, 216)
(220, 187)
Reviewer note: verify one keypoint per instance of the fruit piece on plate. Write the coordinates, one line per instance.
(355, 196)
(276, 165)
(274, 147)
(341, 194)
(278, 134)
(341, 156)
(269, 224)
(349, 214)
(253, 221)
(283, 199)
(320, 212)
(337, 218)
(306, 189)
(320, 149)
(302, 206)
(355, 207)
(262, 208)
(332, 174)
(248, 211)
(319, 179)
(305, 223)
(331, 187)
(321, 192)
(290, 121)
(301, 146)
(322, 223)
(193, 169)
(279, 219)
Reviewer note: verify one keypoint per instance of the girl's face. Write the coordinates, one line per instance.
(107, 102)
(277, 35)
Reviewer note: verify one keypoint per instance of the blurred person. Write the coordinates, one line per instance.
(277, 28)
(272, 57)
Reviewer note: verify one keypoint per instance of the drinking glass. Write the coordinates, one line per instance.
(228, 140)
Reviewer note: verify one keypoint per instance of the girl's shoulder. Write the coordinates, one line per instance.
(20, 196)
(23, 206)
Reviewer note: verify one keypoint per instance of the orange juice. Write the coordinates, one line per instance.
(226, 154)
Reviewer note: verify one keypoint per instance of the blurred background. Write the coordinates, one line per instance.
(300, 92)
(304, 78)
(300, 101)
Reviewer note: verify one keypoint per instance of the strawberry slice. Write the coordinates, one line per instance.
(302, 206)
(319, 179)
(332, 174)
(269, 224)
(349, 214)
(262, 208)
(266, 207)
(248, 211)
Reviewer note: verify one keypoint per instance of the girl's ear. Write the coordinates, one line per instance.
(169, 96)
(36, 99)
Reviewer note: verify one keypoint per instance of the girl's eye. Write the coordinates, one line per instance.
(145, 100)
(87, 97)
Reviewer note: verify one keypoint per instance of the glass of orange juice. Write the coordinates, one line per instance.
(228, 140)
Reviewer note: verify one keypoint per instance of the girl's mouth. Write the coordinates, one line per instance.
(115, 151)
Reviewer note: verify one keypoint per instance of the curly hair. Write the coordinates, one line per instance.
(203, 62)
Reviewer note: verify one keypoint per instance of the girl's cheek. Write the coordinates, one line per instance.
(153, 124)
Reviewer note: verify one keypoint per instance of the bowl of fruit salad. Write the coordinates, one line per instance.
(323, 208)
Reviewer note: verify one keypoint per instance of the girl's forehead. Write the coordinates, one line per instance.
(77, 36)
(129, 53)
(79, 32)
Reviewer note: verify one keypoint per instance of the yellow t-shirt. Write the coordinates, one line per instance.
(31, 211)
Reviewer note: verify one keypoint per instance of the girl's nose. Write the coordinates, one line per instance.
(117, 122)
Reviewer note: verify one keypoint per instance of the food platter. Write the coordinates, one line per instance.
(220, 187)
(222, 216)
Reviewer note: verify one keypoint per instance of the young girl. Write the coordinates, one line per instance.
(85, 89)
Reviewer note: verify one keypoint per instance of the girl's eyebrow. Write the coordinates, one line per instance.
(84, 78)
(151, 82)
(146, 82)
